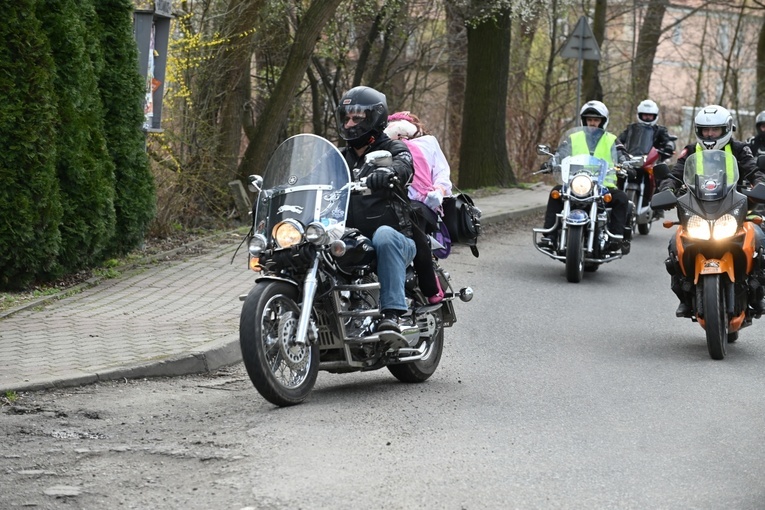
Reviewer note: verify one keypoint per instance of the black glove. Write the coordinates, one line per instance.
(381, 178)
(667, 185)
(546, 167)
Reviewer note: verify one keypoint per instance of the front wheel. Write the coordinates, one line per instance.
(421, 370)
(283, 373)
(575, 254)
(644, 228)
(715, 320)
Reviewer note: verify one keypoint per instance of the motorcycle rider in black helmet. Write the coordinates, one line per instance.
(757, 142)
(383, 216)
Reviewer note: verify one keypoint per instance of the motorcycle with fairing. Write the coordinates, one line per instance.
(315, 305)
(717, 254)
(580, 236)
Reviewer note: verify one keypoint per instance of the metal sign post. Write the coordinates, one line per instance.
(581, 45)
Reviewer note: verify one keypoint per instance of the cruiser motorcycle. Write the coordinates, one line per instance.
(718, 256)
(315, 304)
(580, 231)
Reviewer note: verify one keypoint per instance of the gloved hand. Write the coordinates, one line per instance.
(546, 167)
(434, 199)
(667, 185)
(380, 178)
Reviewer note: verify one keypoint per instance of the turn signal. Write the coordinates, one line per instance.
(555, 194)
(255, 264)
(668, 224)
(757, 220)
(607, 197)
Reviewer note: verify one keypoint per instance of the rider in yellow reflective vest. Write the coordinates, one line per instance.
(595, 114)
(714, 128)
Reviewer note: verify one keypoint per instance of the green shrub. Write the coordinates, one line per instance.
(84, 168)
(30, 208)
(122, 92)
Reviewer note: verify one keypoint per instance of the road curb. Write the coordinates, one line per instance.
(204, 359)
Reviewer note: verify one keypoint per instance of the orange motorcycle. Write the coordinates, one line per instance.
(716, 254)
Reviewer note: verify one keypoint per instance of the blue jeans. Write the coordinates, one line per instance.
(394, 252)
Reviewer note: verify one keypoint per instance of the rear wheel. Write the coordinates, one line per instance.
(421, 370)
(283, 373)
(715, 319)
(575, 254)
(644, 228)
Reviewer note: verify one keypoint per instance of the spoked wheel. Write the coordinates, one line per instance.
(715, 318)
(575, 254)
(421, 370)
(283, 373)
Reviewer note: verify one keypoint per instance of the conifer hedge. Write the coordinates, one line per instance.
(30, 210)
(122, 93)
(85, 170)
(75, 181)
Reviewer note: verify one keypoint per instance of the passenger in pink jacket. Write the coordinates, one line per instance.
(431, 183)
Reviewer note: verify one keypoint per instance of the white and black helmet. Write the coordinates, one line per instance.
(714, 116)
(594, 109)
(647, 112)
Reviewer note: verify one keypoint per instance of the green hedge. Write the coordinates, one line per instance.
(76, 185)
(122, 93)
(30, 209)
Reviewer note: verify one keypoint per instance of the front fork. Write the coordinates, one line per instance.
(309, 292)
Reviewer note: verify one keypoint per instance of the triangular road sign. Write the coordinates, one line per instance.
(581, 43)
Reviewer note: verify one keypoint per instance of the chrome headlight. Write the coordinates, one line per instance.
(725, 226)
(581, 185)
(288, 233)
(316, 233)
(257, 245)
(698, 227)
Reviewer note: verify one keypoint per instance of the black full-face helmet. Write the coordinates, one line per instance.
(361, 116)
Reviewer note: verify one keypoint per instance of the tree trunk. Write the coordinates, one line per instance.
(548, 84)
(591, 86)
(760, 99)
(457, 65)
(266, 132)
(648, 40)
(483, 153)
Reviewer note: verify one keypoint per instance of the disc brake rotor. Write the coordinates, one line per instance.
(296, 356)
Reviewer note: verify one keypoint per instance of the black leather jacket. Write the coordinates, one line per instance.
(639, 138)
(383, 207)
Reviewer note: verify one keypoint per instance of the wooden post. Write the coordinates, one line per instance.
(243, 204)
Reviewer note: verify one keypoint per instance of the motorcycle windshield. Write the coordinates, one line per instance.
(576, 149)
(639, 139)
(710, 175)
(307, 180)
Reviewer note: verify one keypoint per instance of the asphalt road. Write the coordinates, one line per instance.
(549, 395)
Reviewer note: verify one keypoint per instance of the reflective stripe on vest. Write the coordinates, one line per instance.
(728, 163)
(602, 151)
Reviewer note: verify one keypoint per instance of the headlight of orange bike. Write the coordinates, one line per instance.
(725, 226)
(698, 228)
